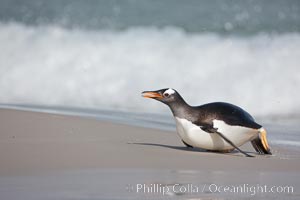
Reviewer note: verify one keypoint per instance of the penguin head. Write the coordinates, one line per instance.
(167, 95)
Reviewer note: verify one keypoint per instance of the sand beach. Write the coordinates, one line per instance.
(54, 156)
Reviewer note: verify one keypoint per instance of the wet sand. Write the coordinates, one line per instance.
(48, 156)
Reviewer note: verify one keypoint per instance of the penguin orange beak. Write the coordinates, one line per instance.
(154, 95)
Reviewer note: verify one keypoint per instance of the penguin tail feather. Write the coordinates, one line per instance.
(260, 143)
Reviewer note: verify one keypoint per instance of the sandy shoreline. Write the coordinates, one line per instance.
(36, 144)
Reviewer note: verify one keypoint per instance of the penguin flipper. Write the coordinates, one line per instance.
(186, 144)
(210, 129)
(260, 143)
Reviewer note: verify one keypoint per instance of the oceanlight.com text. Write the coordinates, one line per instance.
(248, 189)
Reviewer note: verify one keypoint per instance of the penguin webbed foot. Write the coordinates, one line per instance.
(260, 145)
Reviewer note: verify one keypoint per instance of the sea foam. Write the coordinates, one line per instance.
(51, 65)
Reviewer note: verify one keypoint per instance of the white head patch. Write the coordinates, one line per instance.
(169, 91)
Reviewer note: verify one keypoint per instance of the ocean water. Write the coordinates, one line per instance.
(103, 54)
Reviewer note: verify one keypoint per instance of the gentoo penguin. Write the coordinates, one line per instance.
(214, 126)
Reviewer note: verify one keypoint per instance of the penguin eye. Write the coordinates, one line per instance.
(166, 94)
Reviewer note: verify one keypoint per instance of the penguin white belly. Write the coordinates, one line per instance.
(195, 136)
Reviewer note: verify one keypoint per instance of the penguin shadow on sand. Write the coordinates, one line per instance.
(192, 149)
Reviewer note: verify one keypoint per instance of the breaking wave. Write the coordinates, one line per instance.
(51, 65)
